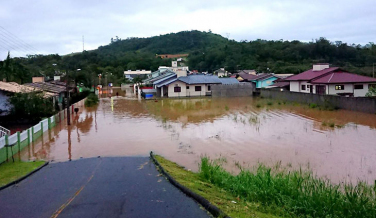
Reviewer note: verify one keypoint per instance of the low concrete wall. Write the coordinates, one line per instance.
(234, 90)
(361, 104)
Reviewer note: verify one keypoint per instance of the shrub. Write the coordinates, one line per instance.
(91, 100)
(31, 105)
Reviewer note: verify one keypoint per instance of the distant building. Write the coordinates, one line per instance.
(221, 72)
(171, 56)
(325, 80)
(130, 74)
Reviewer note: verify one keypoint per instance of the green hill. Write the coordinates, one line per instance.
(207, 52)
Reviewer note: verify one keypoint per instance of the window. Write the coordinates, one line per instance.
(209, 87)
(358, 86)
(198, 88)
(303, 87)
(187, 87)
(340, 87)
(177, 89)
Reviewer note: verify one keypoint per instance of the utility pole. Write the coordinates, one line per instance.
(67, 87)
(373, 70)
(83, 43)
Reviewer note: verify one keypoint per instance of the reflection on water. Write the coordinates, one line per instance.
(246, 130)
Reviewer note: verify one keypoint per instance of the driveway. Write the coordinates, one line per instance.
(97, 187)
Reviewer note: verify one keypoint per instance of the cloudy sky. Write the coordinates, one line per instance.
(57, 26)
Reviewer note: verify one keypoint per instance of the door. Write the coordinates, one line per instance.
(320, 90)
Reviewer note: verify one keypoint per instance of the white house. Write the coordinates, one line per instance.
(190, 86)
(325, 80)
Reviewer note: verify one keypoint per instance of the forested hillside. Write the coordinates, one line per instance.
(207, 52)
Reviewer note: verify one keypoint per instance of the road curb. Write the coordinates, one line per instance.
(24, 177)
(215, 211)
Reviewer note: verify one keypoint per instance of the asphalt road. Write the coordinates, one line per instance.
(97, 187)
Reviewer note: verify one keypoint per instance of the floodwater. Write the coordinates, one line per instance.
(243, 130)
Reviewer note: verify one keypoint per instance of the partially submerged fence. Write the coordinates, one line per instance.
(361, 104)
(12, 144)
(233, 90)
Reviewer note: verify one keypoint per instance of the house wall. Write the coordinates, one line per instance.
(191, 91)
(294, 86)
(3, 101)
(349, 88)
(171, 92)
(361, 92)
(366, 105)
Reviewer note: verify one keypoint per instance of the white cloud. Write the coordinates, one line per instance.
(57, 26)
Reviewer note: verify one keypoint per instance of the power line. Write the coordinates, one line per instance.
(10, 47)
(28, 45)
(12, 43)
(16, 43)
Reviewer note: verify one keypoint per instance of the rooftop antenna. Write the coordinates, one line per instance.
(83, 43)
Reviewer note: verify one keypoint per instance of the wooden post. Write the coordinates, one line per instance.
(19, 140)
(6, 147)
(28, 136)
(49, 123)
(41, 127)
(32, 133)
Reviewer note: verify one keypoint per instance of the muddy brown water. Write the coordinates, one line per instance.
(243, 130)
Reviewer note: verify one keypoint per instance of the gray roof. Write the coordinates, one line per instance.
(229, 81)
(152, 80)
(166, 77)
(167, 82)
(200, 79)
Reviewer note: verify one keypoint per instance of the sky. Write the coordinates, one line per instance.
(58, 26)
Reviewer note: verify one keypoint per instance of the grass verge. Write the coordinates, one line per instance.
(10, 171)
(224, 200)
(293, 193)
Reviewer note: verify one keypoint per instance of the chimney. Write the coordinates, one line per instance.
(319, 67)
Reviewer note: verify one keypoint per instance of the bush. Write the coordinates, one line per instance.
(31, 105)
(91, 100)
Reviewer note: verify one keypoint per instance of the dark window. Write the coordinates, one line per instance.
(303, 87)
(187, 87)
(358, 86)
(198, 88)
(208, 87)
(177, 89)
(340, 87)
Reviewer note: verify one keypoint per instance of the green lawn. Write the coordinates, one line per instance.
(227, 202)
(11, 171)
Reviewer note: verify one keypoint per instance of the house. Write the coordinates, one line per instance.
(325, 80)
(221, 72)
(130, 74)
(189, 86)
(253, 72)
(9, 88)
(261, 80)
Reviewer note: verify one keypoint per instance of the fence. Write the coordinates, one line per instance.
(232, 90)
(12, 144)
(361, 104)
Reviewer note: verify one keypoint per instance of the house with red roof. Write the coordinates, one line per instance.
(325, 80)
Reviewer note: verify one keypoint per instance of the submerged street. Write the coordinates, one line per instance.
(243, 130)
(97, 187)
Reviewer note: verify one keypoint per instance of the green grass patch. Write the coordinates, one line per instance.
(293, 193)
(225, 200)
(10, 171)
